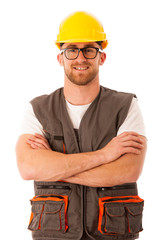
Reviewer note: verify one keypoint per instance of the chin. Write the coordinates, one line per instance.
(81, 82)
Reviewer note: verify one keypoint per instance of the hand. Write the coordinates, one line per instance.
(127, 142)
(37, 141)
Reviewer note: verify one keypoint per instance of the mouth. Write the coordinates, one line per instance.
(81, 68)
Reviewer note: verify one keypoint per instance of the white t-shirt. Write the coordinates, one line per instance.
(133, 122)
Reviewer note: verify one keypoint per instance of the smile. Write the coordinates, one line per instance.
(81, 68)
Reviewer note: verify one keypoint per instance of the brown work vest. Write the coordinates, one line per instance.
(62, 210)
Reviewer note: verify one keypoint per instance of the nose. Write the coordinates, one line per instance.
(81, 56)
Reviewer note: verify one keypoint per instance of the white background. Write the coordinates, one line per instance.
(28, 68)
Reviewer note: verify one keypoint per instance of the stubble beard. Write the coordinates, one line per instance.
(81, 79)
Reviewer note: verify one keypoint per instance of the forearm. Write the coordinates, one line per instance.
(37, 161)
(41, 164)
(124, 170)
(106, 175)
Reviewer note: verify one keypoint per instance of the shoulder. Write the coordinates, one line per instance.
(46, 98)
(116, 103)
(44, 104)
(116, 94)
(116, 98)
(134, 121)
(30, 124)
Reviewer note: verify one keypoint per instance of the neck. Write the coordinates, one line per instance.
(81, 95)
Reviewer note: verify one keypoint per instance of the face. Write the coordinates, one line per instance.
(81, 71)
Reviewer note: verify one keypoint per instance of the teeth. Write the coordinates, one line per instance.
(80, 68)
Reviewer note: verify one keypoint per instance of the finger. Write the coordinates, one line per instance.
(38, 145)
(43, 139)
(37, 136)
(35, 144)
(32, 145)
(40, 136)
(132, 138)
(40, 141)
(133, 144)
(124, 134)
(131, 150)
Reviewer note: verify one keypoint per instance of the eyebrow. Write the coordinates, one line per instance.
(74, 45)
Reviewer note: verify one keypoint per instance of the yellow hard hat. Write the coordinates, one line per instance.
(81, 27)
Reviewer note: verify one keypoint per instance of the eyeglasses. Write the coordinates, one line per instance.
(73, 53)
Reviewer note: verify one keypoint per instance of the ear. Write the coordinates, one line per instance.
(60, 59)
(102, 58)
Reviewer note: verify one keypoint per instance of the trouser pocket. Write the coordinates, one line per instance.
(120, 215)
(49, 212)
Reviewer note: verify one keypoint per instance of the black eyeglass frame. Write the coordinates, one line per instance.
(81, 49)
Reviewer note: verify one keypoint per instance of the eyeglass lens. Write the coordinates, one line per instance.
(72, 53)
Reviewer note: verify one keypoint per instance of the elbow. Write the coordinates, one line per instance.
(134, 175)
(26, 170)
(133, 178)
(135, 170)
(25, 157)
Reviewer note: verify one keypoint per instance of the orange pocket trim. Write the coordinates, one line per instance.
(31, 217)
(50, 197)
(126, 199)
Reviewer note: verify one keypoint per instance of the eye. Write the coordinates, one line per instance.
(89, 50)
(72, 50)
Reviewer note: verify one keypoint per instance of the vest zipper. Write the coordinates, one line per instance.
(77, 135)
(117, 199)
(119, 187)
(53, 187)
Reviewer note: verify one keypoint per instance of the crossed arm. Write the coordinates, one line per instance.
(120, 161)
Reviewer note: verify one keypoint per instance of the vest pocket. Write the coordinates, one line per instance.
(134, 215)
(49, 212)
(120, 215)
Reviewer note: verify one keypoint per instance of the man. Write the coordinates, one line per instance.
(84, 146)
